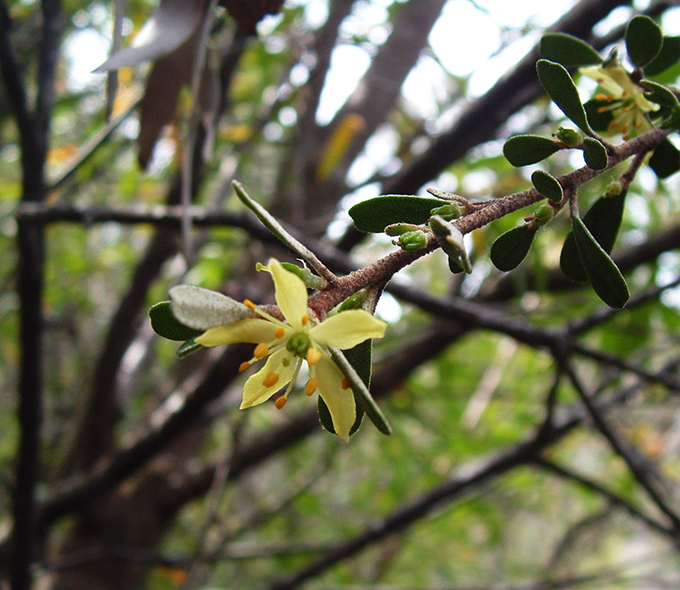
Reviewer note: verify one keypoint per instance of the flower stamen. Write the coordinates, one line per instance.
(311, 386)
(243, 366)
(270, 380)
(313, 356)
(280, 402)
(261, 350)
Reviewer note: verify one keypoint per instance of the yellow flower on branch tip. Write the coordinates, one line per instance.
(622, 97)
(286, 344)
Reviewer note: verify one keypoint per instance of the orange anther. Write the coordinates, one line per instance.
(261, 350)
(305, 319)
(271, 379)
(279, 332)
(243, 366)
(313, 356)
(346, 383)
(310, 388)
(249, 304)
(280, 402)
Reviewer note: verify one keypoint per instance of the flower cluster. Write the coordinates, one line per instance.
(621, 97)
(286, 344)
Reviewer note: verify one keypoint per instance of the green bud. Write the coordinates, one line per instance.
(543, 215)
(449, 212)
(355, 301)
(412, 240)
(614, 189)
(308, 277)
(451, 241)
(396, 229)
(571, 137)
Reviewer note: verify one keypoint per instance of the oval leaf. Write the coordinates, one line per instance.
(659, 94)
(547, 185)
(187, 348)
(559, 85)
(644, 40)
(604, 275)
(165, 324)
(568, 50)
(595, 154)
(524, 150)
(511, 248)
(603, 221)
(374, 215)
(668, 56)
(203, 309)
(665, 159)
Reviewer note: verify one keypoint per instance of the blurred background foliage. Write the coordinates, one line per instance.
(230, 499)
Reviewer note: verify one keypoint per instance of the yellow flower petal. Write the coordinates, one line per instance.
(347, 329)
(255, 392)
(340, 401)
(250, 330)
(291, 294)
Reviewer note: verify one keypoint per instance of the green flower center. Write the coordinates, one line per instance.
(299, 344)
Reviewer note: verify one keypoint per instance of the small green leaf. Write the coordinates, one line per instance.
(568, 50)
(604, 275)
(187, 348)
(374, 215)
(665, 159)
(599, 116)
(511, 248)
(451, 241)
(603, 220)
(644, 40)
(595, 154)
(559, 85)
(166, 325)
(668, 56)
(547, 185)
(523, 150)
(659, 94)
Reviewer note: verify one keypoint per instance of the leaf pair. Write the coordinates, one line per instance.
(585, 253)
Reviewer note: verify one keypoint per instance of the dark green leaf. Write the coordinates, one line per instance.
(644, 40)
(603, 220)
(165, 324)
(659, 94)
(547, 185)
(187, 348)
(523, 150)
(454, 267)
(595, 154)
(604, 275)
(665, 159)
(668, 56)
(557, 82)
(568, 50)
(599, 116)
(511, 248)
(374, 215)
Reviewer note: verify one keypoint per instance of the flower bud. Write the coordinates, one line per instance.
(412, 240)
(543, 215)
(396, 229)
(449, 211)
(571, 137)
(614, 189)
(451, 241)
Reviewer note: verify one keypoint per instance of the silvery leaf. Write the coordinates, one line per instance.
(203, 309)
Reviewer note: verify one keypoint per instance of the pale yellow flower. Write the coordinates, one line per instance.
(286, 344)
(622, 97)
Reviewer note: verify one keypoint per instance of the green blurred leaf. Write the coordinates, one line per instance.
(604, 275)
(644, 40)
(187, 348)
(166, 325)
(668, 56)
(374, 215)
(659, 94)
(595, 154)
(603, 220)
(568, 50)
(559, 85)
(547, 185)
(523, 150)
(511, 248)
(665, 159)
